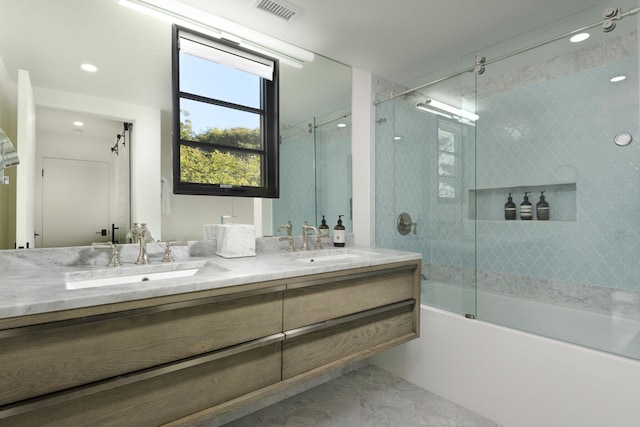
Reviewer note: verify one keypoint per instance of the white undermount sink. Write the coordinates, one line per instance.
(138, 273)
(325, 255)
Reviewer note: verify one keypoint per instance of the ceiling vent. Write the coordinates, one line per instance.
(279, 8)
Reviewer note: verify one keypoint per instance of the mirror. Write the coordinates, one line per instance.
(133, 83)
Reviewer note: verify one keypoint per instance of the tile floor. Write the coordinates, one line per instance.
(368, 396)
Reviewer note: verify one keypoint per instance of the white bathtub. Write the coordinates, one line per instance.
(607, 332)
(514, 378)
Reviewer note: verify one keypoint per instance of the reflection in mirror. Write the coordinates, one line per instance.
(76, 212)
(133, 83)
(315, 177)
(8, 155)
(315, 145)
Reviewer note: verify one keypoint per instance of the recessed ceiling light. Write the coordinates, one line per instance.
(579, 37)
(617, 79)
(342, 125)
(78, 123)
(397, 138)
(89, 68)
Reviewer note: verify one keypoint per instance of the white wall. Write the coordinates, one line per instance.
(517, 379)
(362, 145)
(25, 175)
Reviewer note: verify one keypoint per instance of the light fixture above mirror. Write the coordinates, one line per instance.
(215, 26)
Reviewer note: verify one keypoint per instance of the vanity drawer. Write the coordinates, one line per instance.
(41, 359)
(349, 341)
(312, 302)
(159, 396)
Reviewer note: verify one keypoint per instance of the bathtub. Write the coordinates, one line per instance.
(606, 332)
(517, 378)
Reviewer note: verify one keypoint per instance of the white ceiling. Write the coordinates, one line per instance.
(400, 40)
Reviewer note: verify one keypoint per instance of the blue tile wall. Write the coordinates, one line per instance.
(333, 174)
(561, 131)
(315, 175)
(553, 124)
(297, 179)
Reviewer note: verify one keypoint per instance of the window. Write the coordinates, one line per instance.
(449, 181)
(225, 118)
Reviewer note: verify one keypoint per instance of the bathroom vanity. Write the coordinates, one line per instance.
(180, 351)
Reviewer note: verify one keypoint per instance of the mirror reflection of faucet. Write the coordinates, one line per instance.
(288, 237)
(141, 234)
(305, 232)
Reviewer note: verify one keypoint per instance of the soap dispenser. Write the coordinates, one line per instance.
(339, 233)
(526, 209)
(542, 208)
(509, 208)
(324, 228)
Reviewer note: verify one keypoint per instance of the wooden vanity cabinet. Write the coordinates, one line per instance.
(54, 356)
(349, 316)
(183, 359)
(155, 398)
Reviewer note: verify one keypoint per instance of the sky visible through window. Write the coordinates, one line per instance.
(207, 78)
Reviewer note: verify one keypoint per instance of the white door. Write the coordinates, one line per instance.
(75, 202)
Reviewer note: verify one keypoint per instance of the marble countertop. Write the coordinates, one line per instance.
(35, 281)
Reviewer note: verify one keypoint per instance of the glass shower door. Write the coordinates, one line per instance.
(425, 161)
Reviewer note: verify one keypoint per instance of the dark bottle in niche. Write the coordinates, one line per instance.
(526, 209)
(509, 209)
(542, 208)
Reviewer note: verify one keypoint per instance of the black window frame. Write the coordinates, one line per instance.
(269, 125)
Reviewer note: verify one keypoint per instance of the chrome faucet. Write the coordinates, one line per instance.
(305, 231)
(141, 234)
(288, 237)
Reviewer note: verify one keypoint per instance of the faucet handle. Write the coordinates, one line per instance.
(115, 258)
(290, 239)
(134, 232)
(168, 256)
(287, 227)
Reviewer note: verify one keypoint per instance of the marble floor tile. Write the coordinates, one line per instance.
(368, 396)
